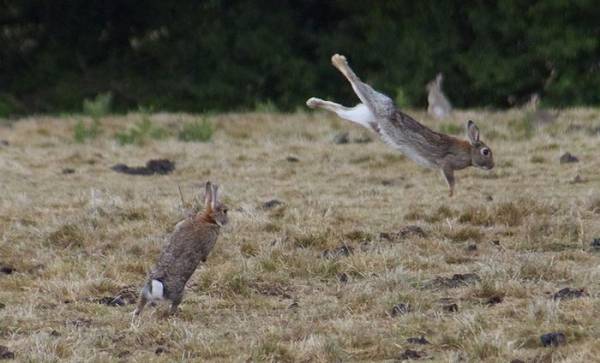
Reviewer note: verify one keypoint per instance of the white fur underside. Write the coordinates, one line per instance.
(156, 291)
(439, 112)
(359, 114)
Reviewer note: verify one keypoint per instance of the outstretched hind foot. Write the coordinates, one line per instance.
(314, 102)
(339, 61)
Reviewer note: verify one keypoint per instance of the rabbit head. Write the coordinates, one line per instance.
(213, 208)
(481, 154)
(436, 84)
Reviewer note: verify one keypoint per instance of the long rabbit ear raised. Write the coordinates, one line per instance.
(472, 132)
(215, 195)
(439, 79)
(208, 195)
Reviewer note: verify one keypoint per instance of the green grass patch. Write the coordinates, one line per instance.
(83, 132)
(100, 106)
(267, 106)
(537, 159)
(451, 129)
(521, 128)
(402, 99)
(196, 131)
(140, 133)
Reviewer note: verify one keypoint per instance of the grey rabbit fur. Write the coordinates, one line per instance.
(438, 105)
(190, 243)
(424, 146)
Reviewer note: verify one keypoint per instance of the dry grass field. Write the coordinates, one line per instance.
(333, 273)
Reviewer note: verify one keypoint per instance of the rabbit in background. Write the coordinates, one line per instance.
(190, 243)
(438, 104)
(426, 147)
(539, 115)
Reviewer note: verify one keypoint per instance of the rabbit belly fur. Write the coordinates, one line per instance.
(359, 114)
(440, 112)
(407, 150)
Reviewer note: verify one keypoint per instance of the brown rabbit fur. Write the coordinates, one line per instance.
(188, 245)
(426, 147)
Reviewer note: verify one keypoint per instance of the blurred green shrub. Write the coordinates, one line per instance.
(199, 131)
(522, 128)
(100, 106)
(141, 132)
(491, 53)
(451, 129)
(82, 132)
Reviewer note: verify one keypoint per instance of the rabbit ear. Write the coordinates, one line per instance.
(208, 195)
(215, 195)
(472, 132)
(439, 79)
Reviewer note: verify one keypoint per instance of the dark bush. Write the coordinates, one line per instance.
(235, 55)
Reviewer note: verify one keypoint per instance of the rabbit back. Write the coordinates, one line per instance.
(188, 245)
(419, 143)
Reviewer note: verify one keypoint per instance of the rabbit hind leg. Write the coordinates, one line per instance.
(449, 175)
(359, 114)
(141, 304)
(378, 103)
(175, 305)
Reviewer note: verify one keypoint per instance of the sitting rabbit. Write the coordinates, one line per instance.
(189, 244)
(438, 105)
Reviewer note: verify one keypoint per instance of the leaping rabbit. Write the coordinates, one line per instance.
(426, 147)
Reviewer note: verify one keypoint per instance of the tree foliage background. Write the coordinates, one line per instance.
(220, 55)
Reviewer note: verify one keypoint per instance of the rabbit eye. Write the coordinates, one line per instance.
(485, 151)
(225, 211)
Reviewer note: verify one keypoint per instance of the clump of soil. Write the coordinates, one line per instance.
(341, 251)
(154, 166)
(457, 280)
(569, 293)
(403, 233)
(421, 340)
(341, 138)
(5, 353)
(553, 339)
(272, 204)
(568, 158)
(411, 354)
(6, 269)
(126, 296)
(496, 299)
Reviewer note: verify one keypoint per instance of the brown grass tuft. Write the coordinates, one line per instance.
(477, 216)
(511, 213)
(462, 234)
(249, 249)
(67, 236)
